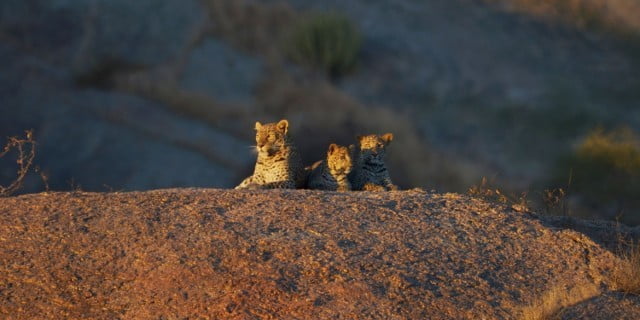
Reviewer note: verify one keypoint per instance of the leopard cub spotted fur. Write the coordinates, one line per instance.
(279, 165)
(331, 173)
(370, 172)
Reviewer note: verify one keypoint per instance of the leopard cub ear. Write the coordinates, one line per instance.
(283, 125)
(258, 125)
(332, 148)
(387, 137)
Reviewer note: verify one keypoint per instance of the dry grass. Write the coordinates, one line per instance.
(550, 304)
(616, 16)
(488, 191)
(605, 169)
(619, 149)
(555, 202)
(626, 277)
(25, 153)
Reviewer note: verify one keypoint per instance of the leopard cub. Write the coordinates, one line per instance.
(331, 173)
(370, 172)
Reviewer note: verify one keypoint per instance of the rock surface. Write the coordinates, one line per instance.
(224, 254)
(604, 307)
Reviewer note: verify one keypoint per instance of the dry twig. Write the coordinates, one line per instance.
(25, 148)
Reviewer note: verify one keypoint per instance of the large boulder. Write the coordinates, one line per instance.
(226, 254)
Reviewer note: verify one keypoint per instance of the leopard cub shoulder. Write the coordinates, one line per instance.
(331, 173)
(370, 172)
(278, 164)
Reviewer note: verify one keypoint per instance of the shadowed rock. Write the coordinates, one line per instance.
(607, 306)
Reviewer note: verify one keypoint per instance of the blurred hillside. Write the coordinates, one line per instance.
(149, 94)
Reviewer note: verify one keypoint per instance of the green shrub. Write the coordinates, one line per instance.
(605, 168)
(326, 41)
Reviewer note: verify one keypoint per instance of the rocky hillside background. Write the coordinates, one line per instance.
(126, 95)
(299, 254)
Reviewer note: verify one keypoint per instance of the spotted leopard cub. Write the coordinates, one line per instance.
(279, 165)
(369, 172)
(331, 173)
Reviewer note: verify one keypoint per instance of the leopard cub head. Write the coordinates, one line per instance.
(339, 159)
(271, 137)
(372, 147)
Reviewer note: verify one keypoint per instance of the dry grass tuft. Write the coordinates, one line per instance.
(626, 277)
(555, 202)
(550, 304)
(25, 148)
(489, 192)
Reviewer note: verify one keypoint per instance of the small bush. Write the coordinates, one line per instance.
(326, 41)
(626, 277)
(606, 168)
